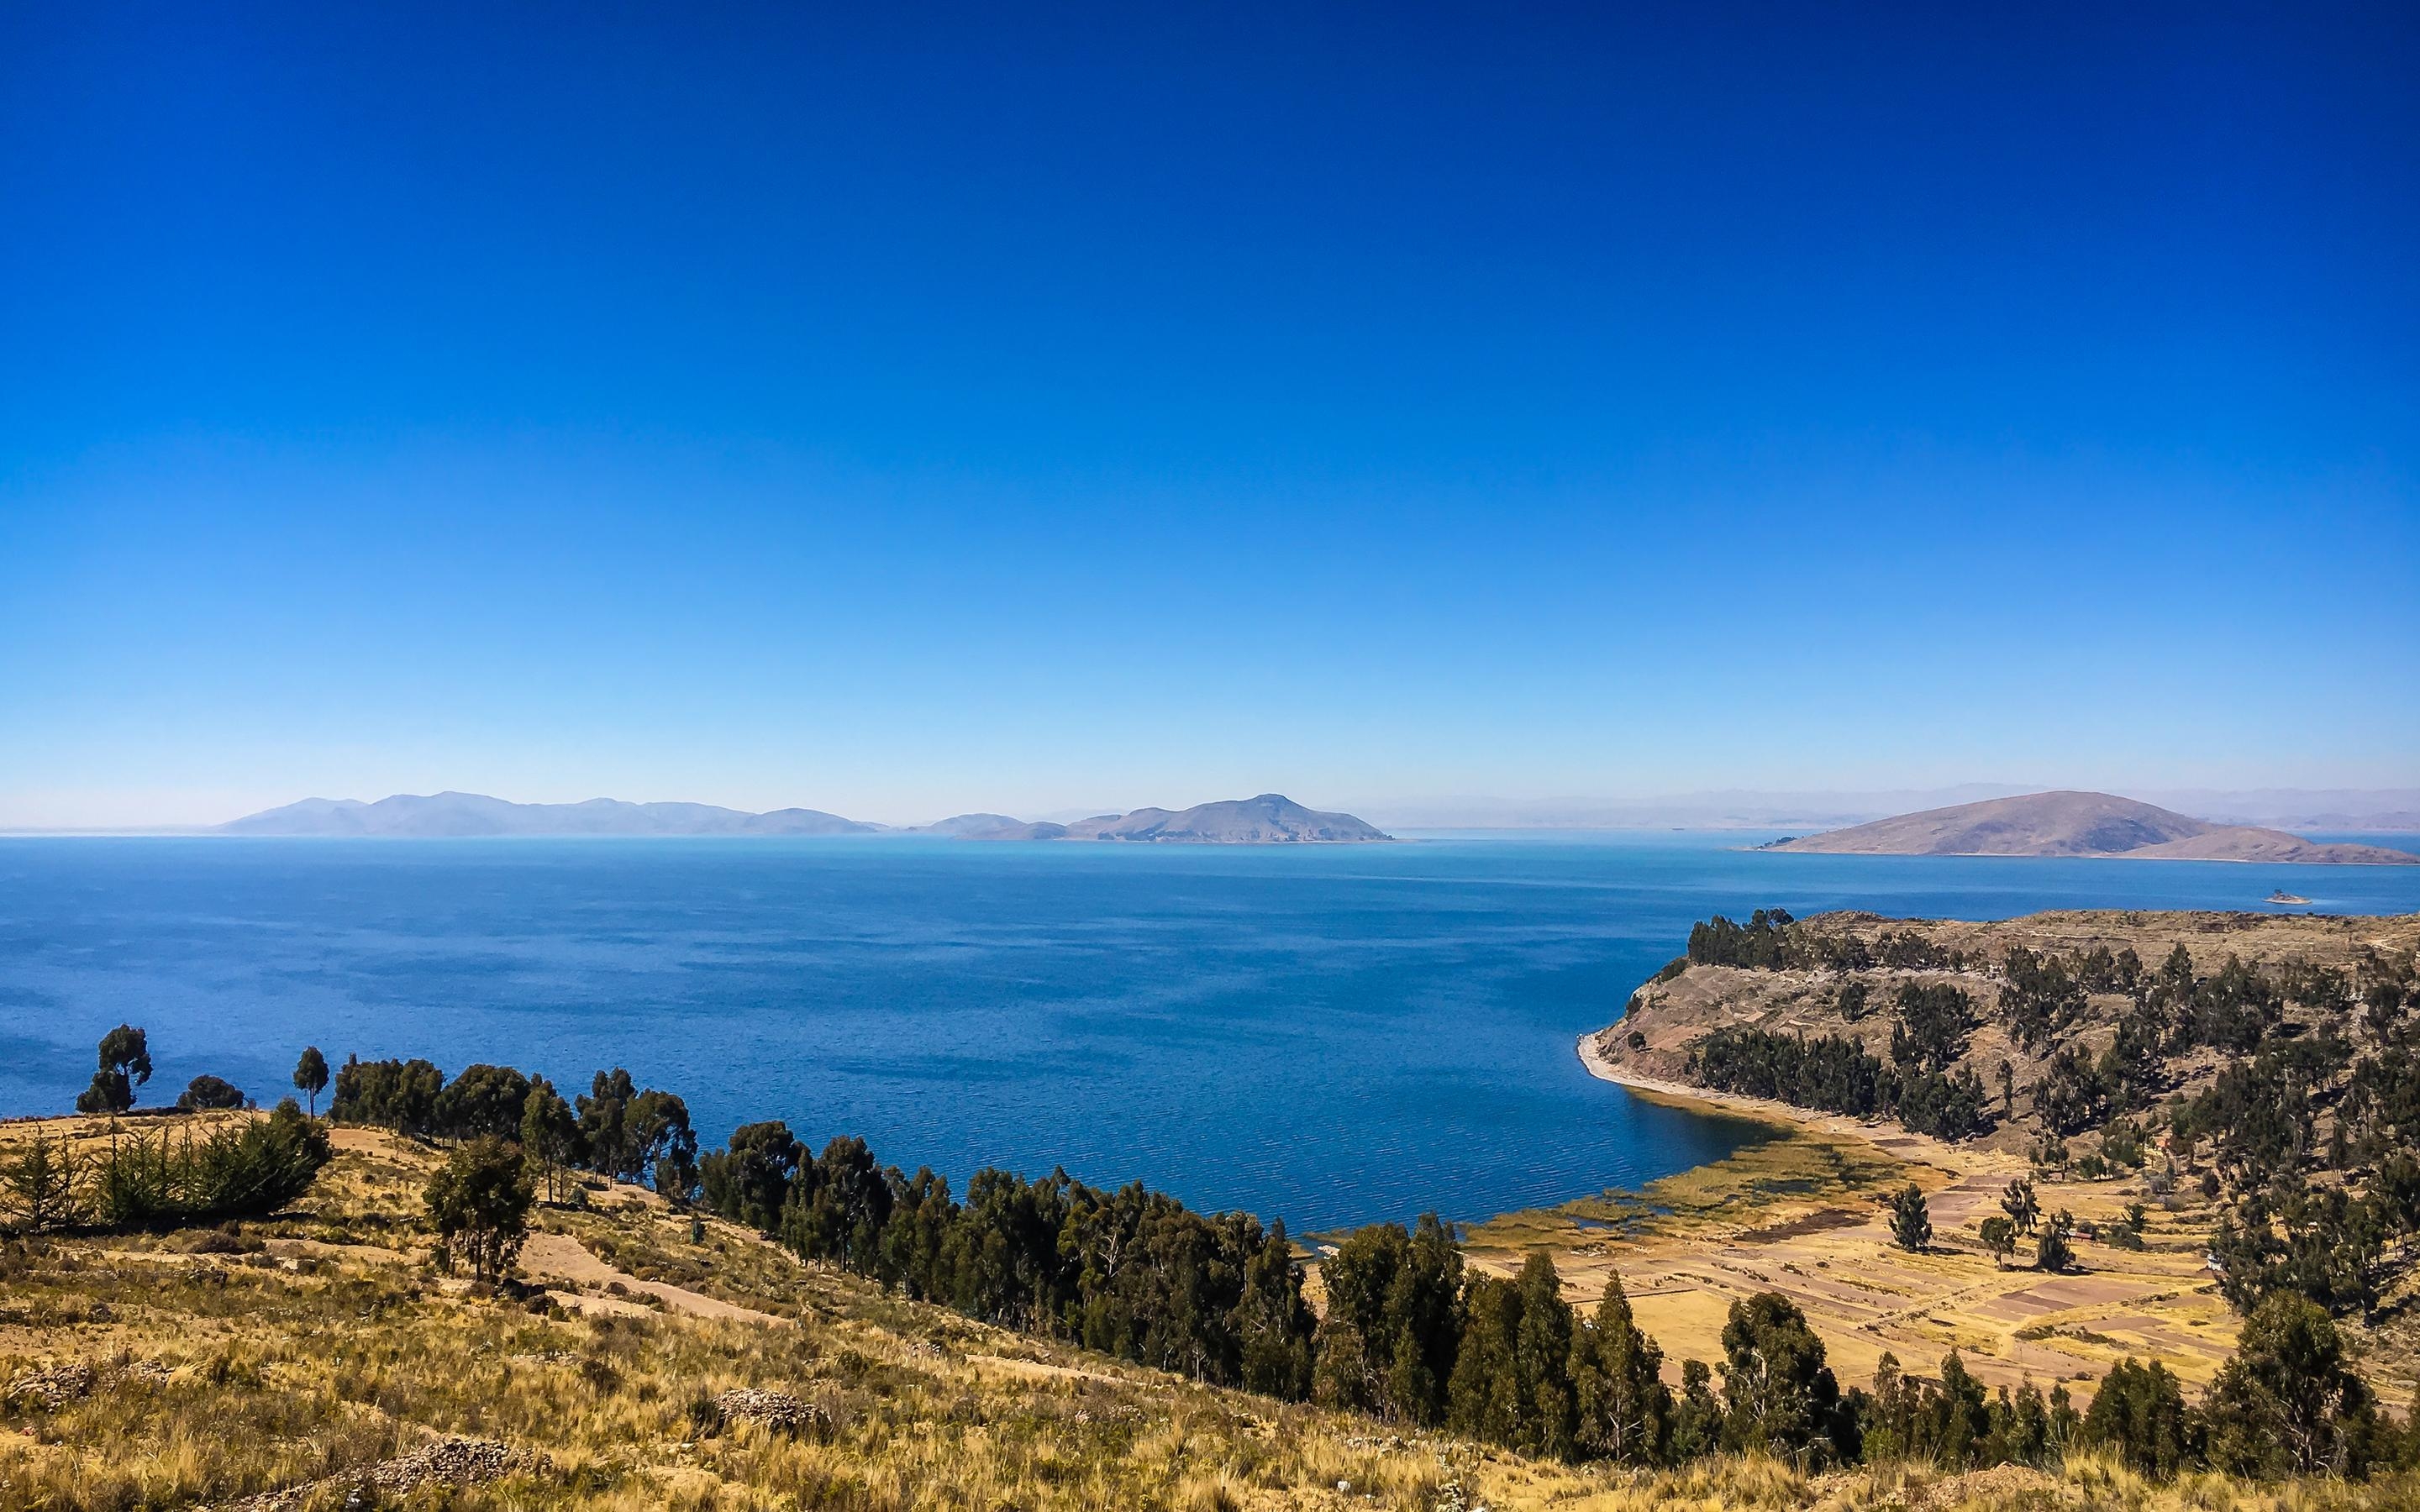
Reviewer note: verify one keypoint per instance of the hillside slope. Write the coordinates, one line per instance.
(318, 1351)
(2080, 824)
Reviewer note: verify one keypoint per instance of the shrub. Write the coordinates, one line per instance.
(206, 1091)
(479, 1203)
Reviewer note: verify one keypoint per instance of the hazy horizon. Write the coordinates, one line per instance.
(1044, 414)
(1723, 809)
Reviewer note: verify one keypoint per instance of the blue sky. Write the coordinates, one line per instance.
(913, 411)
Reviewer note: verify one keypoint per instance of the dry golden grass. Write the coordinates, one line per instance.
(1801, 1214)
(306, 1348)
(297, 1353)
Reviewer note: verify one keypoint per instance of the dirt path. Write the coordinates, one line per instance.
(560, 1257)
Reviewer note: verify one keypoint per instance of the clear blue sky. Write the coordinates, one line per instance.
(906, 409)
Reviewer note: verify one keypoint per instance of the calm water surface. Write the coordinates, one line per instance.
(1329, 1035)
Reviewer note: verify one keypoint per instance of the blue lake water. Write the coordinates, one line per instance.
(1331, 1034)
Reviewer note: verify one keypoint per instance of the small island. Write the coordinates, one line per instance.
(2082, 824)
(2282, 896)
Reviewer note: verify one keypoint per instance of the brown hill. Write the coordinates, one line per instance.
(2081, 824)
(1271, 819)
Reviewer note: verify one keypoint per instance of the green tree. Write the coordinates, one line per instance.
(482, 1101)
(1696, 1417)
(311, 1075)
(479, 1202)
(1273, 1323)
(2019, 1204)
(631, 1134)
(2289, 1402)
(1483, 1396)
(1779, 1395)
(38, 1186)
(1396, 1314)
(2139, 1415)
(550, 1131)
(1356, 1343)
(838, 1206)
(255, 1166)
(1625, 1408)
(748, 1181)
(1542, 1356)
(1422, 1322)
(1911, 1221)
(1340, 1363)
(2052, 1251)
(1999, 1236)
(1960, 1418)
(387, 1094)
(208, 1092)
(125, 1064)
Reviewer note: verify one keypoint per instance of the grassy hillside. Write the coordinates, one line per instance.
(317, 1360)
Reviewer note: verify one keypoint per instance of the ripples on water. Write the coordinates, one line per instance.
(1329, 1035)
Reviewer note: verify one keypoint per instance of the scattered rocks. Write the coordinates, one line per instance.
(1124, 1412)
(454, 1462)
(776, 1410)
(49, 1388)
(447, 1462)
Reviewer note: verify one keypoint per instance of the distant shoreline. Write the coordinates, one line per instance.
(1772, 849)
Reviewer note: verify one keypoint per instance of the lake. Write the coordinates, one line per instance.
(1327, 1034)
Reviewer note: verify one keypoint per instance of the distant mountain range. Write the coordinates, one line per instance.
(2325, 809)
(1271, 819)
(1267, 820)
(460, 814)
(2081, 824)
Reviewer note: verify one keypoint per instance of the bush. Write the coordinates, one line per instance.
(240, 1171)
(479, 1203)
(2052, 1251)
(208, 1092)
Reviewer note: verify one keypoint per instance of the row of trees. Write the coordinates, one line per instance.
(1772, 940)
(615, 1129)
(1923, 1085)
(1130, 1272)
(1414, 1335)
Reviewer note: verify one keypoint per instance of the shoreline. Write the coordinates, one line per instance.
(2093, 855)
(1899, 1143)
